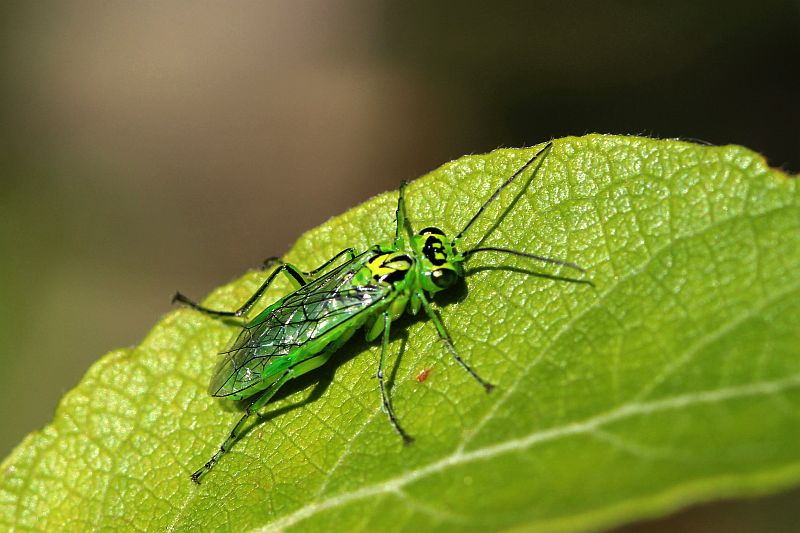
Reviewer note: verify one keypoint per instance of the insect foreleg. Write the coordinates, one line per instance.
(286, 267)
(387, 403)
(252, 409)
(445, 338)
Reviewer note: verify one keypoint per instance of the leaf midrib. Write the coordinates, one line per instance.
(586, 426)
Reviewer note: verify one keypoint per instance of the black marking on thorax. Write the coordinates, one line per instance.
(433, 250)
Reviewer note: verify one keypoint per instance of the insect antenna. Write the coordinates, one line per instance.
(505, 184)
(466, 254)
(525, 255)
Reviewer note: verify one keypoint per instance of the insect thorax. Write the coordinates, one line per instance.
(390, 267)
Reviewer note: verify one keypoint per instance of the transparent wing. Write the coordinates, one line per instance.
(329, 301)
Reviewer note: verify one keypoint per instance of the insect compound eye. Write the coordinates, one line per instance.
(444, 277)
(431, 231)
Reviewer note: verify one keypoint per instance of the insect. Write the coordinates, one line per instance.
(369, 289)
(423, 375)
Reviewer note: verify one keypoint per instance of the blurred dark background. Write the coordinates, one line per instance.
(147, 147)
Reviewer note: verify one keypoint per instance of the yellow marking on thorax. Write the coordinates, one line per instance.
(384, 264)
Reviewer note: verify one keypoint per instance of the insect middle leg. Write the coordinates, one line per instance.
(289, 269)
(448, 342)
(387, 403)
(252, 409)
(349, 252)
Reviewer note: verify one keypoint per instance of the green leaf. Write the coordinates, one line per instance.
(674, 379)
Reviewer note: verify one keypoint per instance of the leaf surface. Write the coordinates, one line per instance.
(675, 378)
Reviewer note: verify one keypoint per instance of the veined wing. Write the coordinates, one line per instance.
(303, 316)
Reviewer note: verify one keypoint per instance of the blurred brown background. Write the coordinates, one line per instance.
(147, 147)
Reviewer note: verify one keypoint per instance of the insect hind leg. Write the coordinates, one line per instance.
(252, 409)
